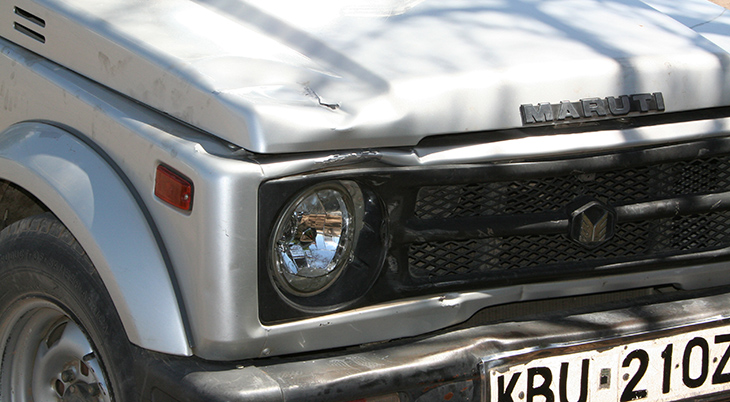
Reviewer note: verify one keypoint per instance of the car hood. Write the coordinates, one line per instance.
(277, 76)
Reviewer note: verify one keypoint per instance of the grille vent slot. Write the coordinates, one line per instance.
(29, 24)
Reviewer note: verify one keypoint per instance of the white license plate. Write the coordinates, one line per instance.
(664, 369)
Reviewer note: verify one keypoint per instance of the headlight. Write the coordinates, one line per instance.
(313, 238)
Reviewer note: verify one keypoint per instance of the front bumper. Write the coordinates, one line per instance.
(445, 366)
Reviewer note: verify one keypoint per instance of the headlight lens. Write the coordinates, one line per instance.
(313, 238)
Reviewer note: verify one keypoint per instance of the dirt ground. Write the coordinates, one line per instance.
(724, 3)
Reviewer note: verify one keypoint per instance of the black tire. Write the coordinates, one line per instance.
(60, 337)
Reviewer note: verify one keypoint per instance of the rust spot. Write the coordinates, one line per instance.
(449, 396)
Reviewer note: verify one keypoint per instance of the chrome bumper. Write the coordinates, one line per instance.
(446, 366)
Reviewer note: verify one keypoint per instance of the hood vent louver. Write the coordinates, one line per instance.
(29, 24)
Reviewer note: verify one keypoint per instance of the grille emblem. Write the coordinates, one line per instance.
(592, 223)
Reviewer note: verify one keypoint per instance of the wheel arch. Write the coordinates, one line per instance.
(84, 190)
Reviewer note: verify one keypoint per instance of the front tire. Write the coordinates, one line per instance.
(60, 337)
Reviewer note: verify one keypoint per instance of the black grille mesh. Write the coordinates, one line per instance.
(486, 257)
(666, 180)
(494, 257)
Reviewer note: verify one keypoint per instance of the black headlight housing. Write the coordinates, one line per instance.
(321, 245)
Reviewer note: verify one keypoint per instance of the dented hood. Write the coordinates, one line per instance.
(290, 76)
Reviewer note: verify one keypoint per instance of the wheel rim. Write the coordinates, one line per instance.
(47, 357)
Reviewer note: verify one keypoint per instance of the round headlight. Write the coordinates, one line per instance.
(313, 238)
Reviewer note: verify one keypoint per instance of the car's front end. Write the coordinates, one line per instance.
(396, 201)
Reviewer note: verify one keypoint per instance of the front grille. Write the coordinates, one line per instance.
(510, 223)
(485, 259)
(436, 229)
(618, 187)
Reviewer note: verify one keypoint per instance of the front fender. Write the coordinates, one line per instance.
(86, 193)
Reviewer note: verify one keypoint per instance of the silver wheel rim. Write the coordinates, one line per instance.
(46, 357)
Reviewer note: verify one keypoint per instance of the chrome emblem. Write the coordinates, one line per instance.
(592, 223)
(591, 109)
(593, 232)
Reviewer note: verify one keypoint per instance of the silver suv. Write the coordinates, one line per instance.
(358, 200)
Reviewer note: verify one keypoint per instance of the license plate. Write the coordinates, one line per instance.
(668, 368)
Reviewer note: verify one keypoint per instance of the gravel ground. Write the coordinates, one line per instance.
(724, 3)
